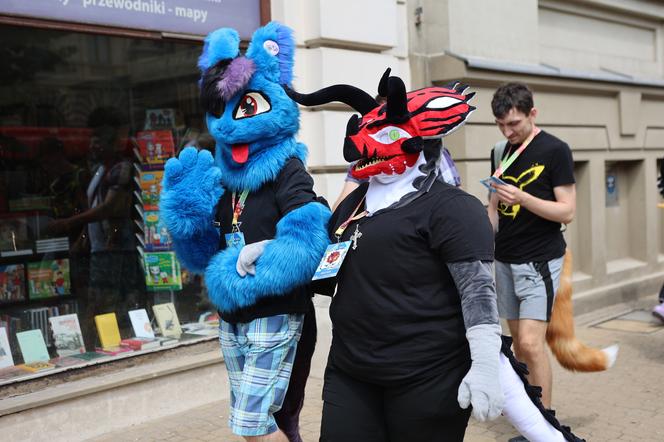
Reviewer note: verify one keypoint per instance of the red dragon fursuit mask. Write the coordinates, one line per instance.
(388, 138)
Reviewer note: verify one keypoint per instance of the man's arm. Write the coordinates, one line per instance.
(115, 203)
(561, 210)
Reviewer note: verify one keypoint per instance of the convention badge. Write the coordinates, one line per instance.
(332, 259)
(498, 181)
(492, 179)
(235, 239)
(487, 183)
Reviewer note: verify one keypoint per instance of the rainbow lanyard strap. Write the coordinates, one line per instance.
(354, 217)
(237, 209)
(511, 158)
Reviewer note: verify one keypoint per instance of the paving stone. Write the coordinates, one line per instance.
(621, 404)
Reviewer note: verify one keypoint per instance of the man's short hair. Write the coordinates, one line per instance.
(512, 95)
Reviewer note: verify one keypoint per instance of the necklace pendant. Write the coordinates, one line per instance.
(355, 236)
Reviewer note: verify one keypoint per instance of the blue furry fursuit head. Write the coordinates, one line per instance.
(254, 124)
(249, 114)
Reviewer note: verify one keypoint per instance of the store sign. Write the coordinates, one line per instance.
(178, 16)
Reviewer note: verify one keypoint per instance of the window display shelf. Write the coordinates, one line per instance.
(185, 340)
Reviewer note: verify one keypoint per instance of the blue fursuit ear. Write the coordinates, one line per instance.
(272, 48)
(221, 44)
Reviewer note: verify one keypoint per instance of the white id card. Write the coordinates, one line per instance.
(332, 259)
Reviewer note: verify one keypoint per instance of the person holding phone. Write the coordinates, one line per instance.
(537, 194)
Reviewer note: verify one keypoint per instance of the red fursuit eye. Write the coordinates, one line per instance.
(248, 106)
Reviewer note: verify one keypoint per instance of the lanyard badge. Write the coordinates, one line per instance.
(335, 254)
(236, 237)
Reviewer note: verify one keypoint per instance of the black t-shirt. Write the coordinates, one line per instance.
(397, 313)
(263, 209)
(523, 236)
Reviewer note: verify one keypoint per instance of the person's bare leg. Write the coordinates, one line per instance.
(513, 325)
(531, 346)
(277, 436)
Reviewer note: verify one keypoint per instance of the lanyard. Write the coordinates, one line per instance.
(511, 158)
(238, 208)
(353, 217)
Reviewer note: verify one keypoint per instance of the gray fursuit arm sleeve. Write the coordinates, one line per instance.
(474, 281)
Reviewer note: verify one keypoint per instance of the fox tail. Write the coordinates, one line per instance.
(568, 350)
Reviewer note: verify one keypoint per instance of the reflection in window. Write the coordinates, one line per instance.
(86, 124)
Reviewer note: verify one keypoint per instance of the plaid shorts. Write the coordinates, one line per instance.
(259, 358)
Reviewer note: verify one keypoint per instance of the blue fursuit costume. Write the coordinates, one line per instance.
(249, 221)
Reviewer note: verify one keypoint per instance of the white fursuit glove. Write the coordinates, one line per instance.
(246, 261)
(481, 385)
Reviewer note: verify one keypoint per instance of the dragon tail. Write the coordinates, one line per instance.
(568, 350)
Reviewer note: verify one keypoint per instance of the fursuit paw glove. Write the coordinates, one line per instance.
(481, 385)
(246, 261)
(191, 189)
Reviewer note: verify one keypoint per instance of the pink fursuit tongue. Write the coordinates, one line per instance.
(240, 153)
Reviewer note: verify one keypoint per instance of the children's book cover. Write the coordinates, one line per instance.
(156, 234)
(141, 323)
(12, 283)
(33, 347)
(159, 118)
(48, 278)
(108, 330)
(156, 147)
(6, 359)
(67, 334)
(162, 271)
(168, 321)
(151, 188)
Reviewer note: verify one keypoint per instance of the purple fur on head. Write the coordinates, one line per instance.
(236, 77)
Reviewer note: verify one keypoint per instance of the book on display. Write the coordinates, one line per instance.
(67, 334)
(168, 321)
(33, 347)
(108, 330)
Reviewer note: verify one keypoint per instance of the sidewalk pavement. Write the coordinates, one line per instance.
(625, 403)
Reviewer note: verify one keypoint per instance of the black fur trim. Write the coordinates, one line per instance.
(210, 97)
(535, 393)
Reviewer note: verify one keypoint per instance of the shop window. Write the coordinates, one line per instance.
(624, 215)
(86, 124)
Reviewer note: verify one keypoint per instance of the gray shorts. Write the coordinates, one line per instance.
(527, 291)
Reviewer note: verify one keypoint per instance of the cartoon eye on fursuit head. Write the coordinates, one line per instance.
(388, 138)
(247, 110)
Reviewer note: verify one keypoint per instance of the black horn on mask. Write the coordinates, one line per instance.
(344, 93)
(394, 90)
